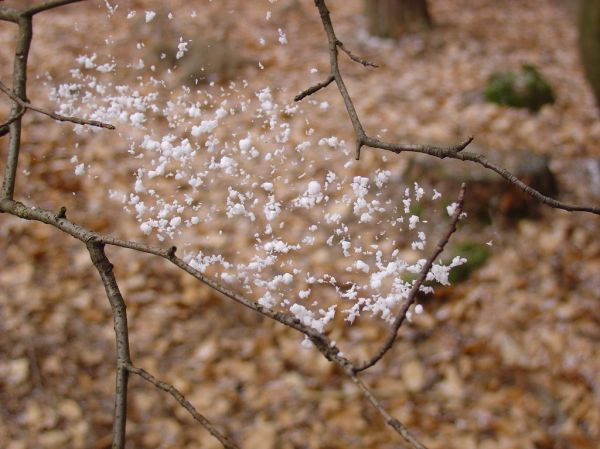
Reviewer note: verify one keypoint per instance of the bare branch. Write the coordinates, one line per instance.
(19, 209)
(354, 57)
(58, 117)
(24, 37)
(5, 127)
(400, 428)
(49, 4)
(119, 313)
(453, 152)
(334, 43)
(410, 299)
(335, 72)
(311, 90)
(226, 442)
(461, 146)
(13, 15)
(9, 14)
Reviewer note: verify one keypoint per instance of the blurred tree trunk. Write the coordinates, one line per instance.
(393, 18)
(589, 42)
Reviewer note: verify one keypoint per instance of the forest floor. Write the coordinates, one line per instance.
(508, 359)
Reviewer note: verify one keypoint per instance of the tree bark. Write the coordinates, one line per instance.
(589, 43)
(394, 18)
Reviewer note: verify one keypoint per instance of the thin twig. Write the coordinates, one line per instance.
(13, 15)
(49, 4)
(410, 299)
(311, 90)
(119, 313)
(226, 442)
(19, 82)
(479, 159)
(58, 117)
(5, 127)
(400, 428)
(335, 72)
(354, 57)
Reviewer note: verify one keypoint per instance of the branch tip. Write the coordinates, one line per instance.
(354, 57)
(181, 399)
(62, 213)
(359, 145)
(311, 90)
(410, 299)
(464, 145)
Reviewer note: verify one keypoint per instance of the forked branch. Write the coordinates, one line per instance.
(451, 152)
(410, 299)
(356, 58)
(119, 314)
(19, 79)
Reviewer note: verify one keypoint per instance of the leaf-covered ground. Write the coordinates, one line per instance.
(508, 359)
